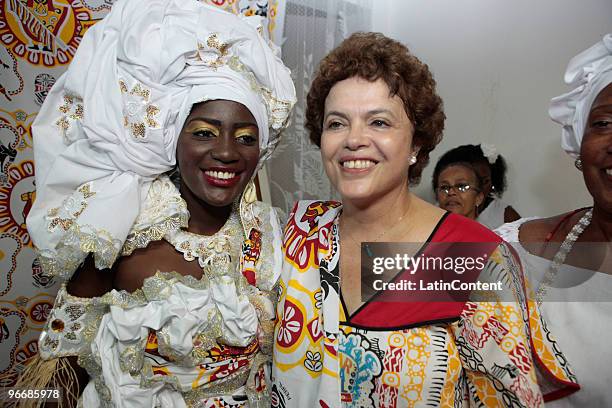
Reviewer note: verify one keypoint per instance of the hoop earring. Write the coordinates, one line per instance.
(245, 208)
(578, 163)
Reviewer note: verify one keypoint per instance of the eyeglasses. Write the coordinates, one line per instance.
(460, 188)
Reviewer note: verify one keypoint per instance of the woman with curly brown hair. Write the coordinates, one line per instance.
(341, 339)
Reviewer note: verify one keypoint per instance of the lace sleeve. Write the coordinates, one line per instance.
(71, 326)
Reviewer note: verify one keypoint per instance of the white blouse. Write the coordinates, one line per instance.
(583, 328)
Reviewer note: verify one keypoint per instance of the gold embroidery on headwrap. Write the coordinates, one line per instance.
(214, 52)
(138, 113)
(71, 112)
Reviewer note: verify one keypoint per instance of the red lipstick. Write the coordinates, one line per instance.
(221, 182)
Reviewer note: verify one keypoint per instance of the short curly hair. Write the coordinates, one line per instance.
(473, 154)
(373, 56)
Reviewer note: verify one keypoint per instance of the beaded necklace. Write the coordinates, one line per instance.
(561, 254)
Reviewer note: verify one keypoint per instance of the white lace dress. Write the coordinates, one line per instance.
(579, 317)
(179, 341)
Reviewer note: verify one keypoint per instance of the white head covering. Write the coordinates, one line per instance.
(110, 124)
(589, 73)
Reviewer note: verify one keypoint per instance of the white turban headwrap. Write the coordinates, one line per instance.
(110, 124)
(589, 73)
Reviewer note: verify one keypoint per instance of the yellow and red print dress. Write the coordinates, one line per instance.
(406, 354)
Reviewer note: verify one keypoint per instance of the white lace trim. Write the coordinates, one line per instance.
(164, 210)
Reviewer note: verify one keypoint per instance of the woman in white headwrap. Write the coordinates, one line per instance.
(567, 257)
(169, 292)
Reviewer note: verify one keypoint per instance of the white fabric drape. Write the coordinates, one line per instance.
(311, 29)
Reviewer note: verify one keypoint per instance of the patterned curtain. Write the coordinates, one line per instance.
(39, 39)
(312, 28)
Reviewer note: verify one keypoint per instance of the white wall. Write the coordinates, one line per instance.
(497, 64)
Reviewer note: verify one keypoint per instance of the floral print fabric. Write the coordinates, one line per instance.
(494, 353)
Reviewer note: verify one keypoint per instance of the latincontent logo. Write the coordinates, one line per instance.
(431, 272)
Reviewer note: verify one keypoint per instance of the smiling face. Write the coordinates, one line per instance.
(366, 140)
(596, 150)
(217, 152)
(455, 178)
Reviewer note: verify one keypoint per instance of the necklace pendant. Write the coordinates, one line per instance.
(368, 250)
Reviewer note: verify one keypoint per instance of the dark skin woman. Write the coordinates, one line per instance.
(459, 190)
(147, 210)
(492, 175)
(596, 157)
(567, 258)
(217, 153)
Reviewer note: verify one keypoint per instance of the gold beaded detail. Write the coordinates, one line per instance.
(71, 111)
(71, 209)
(138, 113)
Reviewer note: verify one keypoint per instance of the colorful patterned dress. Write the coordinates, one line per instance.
(406, 354)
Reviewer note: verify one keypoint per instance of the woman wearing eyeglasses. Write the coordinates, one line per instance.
(490, 167)
(458, 188)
